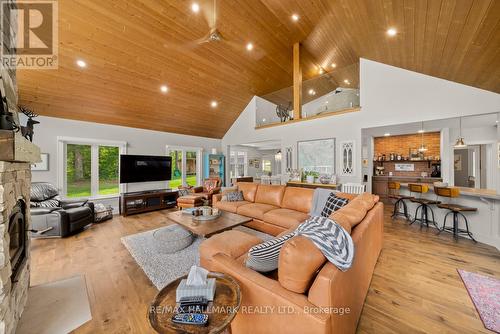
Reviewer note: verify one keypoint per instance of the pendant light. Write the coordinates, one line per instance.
(460, 140)
(422, 147)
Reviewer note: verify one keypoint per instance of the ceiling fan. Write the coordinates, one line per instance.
(214, 35)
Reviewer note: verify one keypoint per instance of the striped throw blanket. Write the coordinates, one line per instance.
(331, 239)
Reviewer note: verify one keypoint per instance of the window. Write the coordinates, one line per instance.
(89, 168)
(267, 166)
(238, 164)
(186, 166)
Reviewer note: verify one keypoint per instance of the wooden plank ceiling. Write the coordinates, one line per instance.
(132, 47)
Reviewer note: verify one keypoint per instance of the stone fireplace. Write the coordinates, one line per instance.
(15, 182)
(16, 156)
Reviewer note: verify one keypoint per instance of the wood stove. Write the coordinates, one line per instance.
(18, 236)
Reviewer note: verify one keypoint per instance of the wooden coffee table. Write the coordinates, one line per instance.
(220, 312)
(207, 228)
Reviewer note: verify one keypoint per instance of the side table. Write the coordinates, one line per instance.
(220, 312)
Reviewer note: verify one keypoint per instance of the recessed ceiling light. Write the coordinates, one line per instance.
(334, 65)
(392, 32)
(195, 7)
(347, 82)
(214, 104)
(321, 70)
(387, 134)
(249, 46)
(295, 17)
(81, 63)
(312, 92)
(164, 88)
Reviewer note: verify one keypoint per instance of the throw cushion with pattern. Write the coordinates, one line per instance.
(333, 203)
(264, 257)
(209, 185)
(234, 196)
(184, 192)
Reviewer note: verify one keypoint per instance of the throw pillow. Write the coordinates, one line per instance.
(209, 185)
(234, 196)
(333, 203)
(184, 192)
(264, 257)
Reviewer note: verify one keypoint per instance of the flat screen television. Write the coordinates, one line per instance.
(145, 168)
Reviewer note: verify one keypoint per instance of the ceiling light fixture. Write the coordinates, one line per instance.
(164, 88)
(214, 104)
(334, 65)
(295, 17)
(387, 134)
(392, 32)
(312, 92)
(460, 143)
(321, 70)
(347, 82)
(249, 46)
(195, 7)
(81, 63)
(422, 147)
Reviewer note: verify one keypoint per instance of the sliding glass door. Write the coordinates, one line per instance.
(186, 166)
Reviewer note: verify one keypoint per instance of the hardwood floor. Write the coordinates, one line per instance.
(415, 288)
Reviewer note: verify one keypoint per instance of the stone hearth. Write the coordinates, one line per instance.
(15, 183)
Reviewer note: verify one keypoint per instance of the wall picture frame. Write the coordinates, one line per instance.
(317, 155)
(42, 165)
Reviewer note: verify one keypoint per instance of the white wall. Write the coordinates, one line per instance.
(389, 95)
(139, 141)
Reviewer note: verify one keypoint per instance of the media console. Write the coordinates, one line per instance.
(145, 201)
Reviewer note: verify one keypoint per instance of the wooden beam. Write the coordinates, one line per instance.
(297, 82)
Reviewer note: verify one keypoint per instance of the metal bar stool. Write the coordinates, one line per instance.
(400, 200)
(456, 210)
(424, 205)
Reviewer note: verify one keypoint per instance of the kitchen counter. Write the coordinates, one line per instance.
(472, 192)
(416, 178)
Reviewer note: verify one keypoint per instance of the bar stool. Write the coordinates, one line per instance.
(400, 200)
(456, 210)
(424, 205)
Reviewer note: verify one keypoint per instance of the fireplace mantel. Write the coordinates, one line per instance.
(15, 148)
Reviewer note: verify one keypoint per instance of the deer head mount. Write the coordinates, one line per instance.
(27, 131)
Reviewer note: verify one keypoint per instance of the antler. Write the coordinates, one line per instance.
(25, 110)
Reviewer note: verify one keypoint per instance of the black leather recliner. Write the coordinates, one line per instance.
(52, 216)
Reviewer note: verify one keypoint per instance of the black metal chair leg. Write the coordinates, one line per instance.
(467, 227)
(405, 209)
(433, 218)
(455, 225)
(416, 214)
(444, 223)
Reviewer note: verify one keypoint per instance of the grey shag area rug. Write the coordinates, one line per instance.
(162, 268)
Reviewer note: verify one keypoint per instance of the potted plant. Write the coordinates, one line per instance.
(311, 176)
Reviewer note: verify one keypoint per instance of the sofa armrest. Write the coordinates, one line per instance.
(42, 211)
(231, 243)
(287, 311)
(216, 198)
(197, 189)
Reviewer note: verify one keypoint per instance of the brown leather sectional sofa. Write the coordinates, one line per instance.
(306, 294)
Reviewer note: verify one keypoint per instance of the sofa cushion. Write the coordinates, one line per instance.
(264, 257)
(299, 261)
(285, 217)
(248, 189)
(298, 199)
(270, 194)
(255, 210)
(78, 213)
(230, 206)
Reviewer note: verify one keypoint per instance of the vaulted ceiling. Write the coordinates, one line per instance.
(132, 47)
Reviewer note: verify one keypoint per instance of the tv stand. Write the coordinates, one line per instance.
(145, 201)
